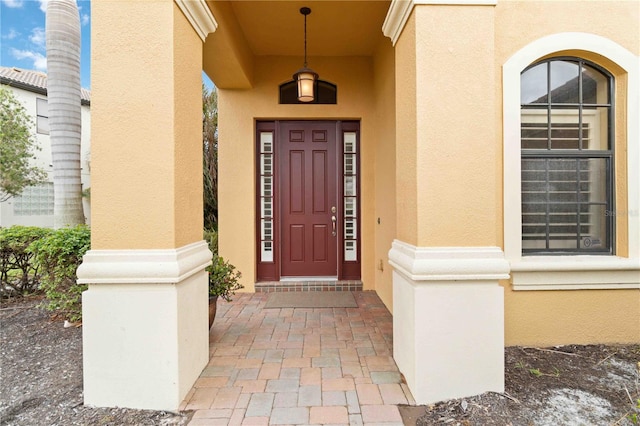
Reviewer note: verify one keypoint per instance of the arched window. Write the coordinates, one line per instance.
(613, 265)
(325, 93)
(566, 158)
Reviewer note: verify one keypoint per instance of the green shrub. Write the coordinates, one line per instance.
(58, 256)
(19, 273)
(223, 276)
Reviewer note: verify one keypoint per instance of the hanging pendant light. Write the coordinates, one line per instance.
(305, 77)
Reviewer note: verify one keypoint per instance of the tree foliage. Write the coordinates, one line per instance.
(210, 157)
(17, 148)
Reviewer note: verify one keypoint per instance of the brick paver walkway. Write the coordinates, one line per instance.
(299, 366)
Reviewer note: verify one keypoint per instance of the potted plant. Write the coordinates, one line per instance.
(223, 282)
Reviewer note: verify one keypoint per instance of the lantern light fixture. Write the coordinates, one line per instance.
(305, 77)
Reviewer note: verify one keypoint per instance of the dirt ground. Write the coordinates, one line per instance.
(41, 383)
(569, 385)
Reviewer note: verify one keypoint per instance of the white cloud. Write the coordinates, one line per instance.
(85, 19)
(38, 59)
(38, 37)
(11, 34)
(14, 4)
(43, 5)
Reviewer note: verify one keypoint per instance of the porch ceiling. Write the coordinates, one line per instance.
(275, 28)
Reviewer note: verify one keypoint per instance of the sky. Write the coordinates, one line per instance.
(22, 36)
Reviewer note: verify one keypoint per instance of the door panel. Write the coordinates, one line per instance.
(308, 184)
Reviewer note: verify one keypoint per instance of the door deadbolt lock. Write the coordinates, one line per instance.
(333, 210)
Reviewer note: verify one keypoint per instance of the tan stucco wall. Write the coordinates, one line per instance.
(444, 133)
(581, 316)
(456, 191)
(146, 127)
(385, 168)
(546, 318)
(406, 137)
(238, 111)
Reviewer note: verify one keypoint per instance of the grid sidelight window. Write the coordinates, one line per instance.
(266, 196)
(350, 197)
(566, 158)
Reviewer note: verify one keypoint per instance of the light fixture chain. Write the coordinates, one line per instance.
(305, 40)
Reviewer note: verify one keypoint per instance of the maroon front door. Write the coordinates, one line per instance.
(308, 199)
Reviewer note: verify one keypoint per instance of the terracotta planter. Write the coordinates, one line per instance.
(213, 305)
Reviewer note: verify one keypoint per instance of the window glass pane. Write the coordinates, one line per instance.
(42, 107)
(596, 128)
(266, 164)
(265, 186)
(349, 142)
(534, 132)
(266, 254)
(595, 86)
(593, 180)
(350, 185)
(350, 251)
(350, 164)
(594, 232)
(266, 207)
(565, 129)
(266, 229)
(266, 142)
(42, 124)
(350, 206)
(533, 85)
(350, 229)
(564, 85)
(564, 203)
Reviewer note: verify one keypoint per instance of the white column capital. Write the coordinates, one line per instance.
(400, 10)
(448, 263)
(199, 15)
(159, 266)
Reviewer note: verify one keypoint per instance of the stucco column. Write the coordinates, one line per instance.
(145, 337)
(447, 302)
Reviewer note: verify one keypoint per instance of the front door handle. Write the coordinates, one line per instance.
(333, 225)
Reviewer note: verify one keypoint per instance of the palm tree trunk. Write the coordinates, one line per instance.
(63, 89)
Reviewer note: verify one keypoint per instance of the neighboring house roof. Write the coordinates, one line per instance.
(33, 81)
(568, 92)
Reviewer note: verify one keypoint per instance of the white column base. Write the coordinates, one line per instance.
(145, 325)
(448, 320)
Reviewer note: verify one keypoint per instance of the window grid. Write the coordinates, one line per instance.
(350, 196)
(266, 197)
(567, 162)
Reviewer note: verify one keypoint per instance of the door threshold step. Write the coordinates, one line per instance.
(333, 285)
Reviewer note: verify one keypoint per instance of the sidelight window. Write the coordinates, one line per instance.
(350, 197)
(266, 196)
